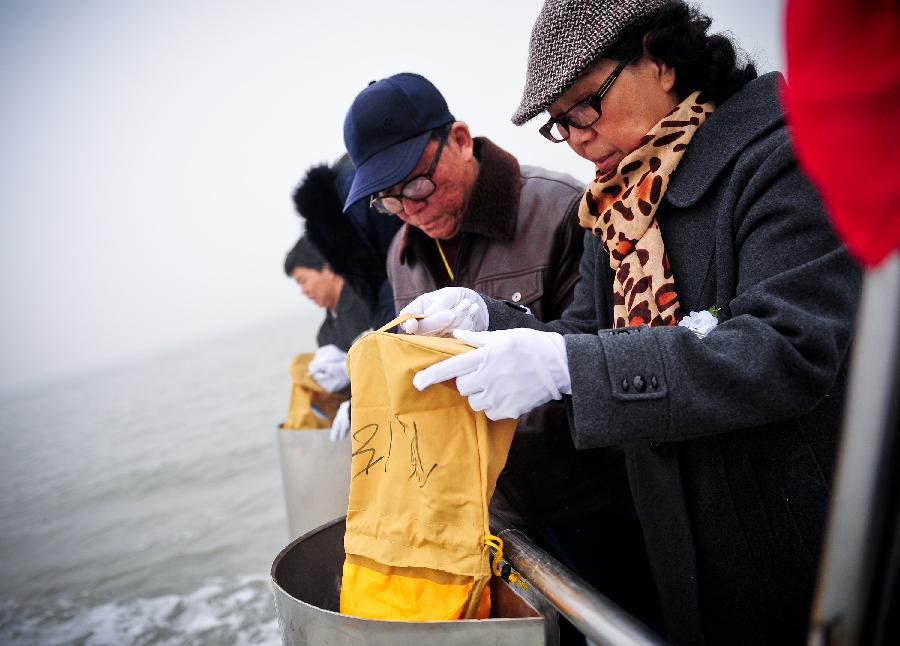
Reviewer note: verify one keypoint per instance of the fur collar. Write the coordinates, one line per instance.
(492, 209)
(354, 244)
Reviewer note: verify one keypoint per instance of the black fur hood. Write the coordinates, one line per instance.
(354, 244)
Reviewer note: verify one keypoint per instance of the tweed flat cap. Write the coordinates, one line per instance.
(567, 37)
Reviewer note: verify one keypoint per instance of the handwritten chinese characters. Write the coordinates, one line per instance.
(367, 437)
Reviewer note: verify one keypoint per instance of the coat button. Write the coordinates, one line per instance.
(639, 383)
(625, 385)
(662, 449)
(654, 382)
(516, 297)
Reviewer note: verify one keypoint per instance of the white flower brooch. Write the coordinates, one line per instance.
(701, 323)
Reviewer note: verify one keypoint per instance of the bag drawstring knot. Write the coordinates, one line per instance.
(505, 572)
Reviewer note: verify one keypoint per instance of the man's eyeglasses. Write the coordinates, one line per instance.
(417, 188)
(583, 114)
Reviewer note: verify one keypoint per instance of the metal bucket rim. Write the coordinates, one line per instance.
(334, 522)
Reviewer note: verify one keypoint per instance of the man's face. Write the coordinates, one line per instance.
(440, 215)
(322, 287)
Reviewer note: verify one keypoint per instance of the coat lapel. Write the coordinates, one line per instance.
(689, 229)
(756, 108)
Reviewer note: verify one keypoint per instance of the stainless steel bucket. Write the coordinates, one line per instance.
(306, 579)
(315, 473)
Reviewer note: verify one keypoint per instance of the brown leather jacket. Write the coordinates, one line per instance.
(521, 242)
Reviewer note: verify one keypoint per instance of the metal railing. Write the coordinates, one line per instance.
(598, 618)
(846, 607)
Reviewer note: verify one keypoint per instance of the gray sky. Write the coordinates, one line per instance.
(149, 151)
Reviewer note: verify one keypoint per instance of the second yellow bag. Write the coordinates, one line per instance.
(423, 471)
(311, 407)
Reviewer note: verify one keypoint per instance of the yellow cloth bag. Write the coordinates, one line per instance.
(311, 406)
(424, 467)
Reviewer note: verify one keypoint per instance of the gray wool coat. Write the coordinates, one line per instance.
(730, 440)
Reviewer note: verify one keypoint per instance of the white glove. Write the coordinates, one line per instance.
(341, 424)
(511, 373)
(445, 310)
(329, 368)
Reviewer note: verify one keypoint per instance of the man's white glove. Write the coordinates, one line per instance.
(511, 373)
(445, 310)
(341, 424)
(329, 368)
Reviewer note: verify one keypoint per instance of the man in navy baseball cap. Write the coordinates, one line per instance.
(388, 127)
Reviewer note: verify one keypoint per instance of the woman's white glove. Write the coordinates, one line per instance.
(329, 368)
(445, 310)
(341, 424)
(511, 373)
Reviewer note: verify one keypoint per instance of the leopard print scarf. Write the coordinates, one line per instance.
(620, 207)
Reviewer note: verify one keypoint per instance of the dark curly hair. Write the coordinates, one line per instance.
(676, 34)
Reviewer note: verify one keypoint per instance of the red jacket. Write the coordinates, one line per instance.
(843, 103)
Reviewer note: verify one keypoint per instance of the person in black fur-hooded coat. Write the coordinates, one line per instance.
(356, 244)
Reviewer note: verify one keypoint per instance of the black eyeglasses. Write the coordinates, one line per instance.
(417, 188)
(583, 114)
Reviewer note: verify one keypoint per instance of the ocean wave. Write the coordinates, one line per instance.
(238, 611)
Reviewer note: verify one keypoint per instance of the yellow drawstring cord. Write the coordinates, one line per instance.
(497, 543)
(444, 258)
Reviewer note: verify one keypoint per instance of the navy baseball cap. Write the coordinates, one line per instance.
(387, 128)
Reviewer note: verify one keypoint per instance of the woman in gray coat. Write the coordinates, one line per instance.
(709, 332)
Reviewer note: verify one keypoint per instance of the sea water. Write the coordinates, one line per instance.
(144, 505)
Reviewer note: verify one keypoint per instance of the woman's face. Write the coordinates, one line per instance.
(640, 97)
